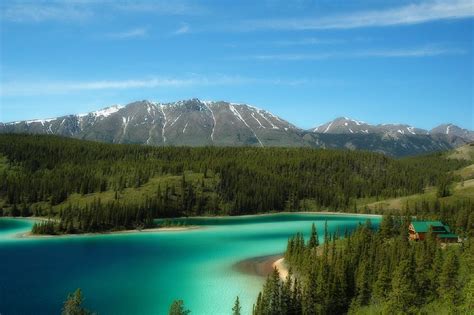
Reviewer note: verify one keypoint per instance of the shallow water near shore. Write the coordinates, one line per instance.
(141, 273)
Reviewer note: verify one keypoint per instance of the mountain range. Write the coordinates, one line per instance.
(199, 123)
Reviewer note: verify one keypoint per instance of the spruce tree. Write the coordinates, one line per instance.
(275, 293)
(386, 226)
(73, 304)
(178, 308)
(382, 285)
(448, 279)
(403, 295)
(313, 239)
(468, 304)
(310, 296)
(236, 309)
(362, 284)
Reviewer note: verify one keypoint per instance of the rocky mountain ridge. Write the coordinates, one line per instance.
(200, 123)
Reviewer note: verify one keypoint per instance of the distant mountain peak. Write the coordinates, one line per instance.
(185, 122)
(346, 125)
(453, 130)
(195, 122)
(342, 125)
(104, 112)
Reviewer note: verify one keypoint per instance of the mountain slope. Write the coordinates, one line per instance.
(453, 130)
(192, 122)
(200, 123)
(345, 125)
(389, 144)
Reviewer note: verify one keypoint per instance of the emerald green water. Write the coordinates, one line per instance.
(142, 273)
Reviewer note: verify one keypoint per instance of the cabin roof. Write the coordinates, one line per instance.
(424, 226)
(441, 230)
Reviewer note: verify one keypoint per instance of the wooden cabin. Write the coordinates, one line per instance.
(418, 229)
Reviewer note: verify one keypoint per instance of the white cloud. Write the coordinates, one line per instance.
(132, 33)
(429, 51)
(416, 52)
(410, 14)
(308, 41)
(41, 11)
(40, 87)
(161, 7)
(183, 29)
(77, 10)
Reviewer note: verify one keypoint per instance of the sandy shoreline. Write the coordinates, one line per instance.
(185, 228)
(153, 230)
(283, 212)
(28, 218)
(281, 267)
(262, 266)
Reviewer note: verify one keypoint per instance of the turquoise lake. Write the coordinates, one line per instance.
(141, 273)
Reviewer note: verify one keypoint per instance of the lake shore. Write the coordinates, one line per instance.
(180, 228)
(263, 266)
(243, 216)
(280, 265)
(282, 212)
(152, 230)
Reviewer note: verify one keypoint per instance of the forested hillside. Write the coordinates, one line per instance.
(372, 272)
(93, 186)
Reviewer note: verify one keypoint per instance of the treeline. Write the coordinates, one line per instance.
(457, 213)
(117, 215)
(38, 173)
(74, 306)
(98, 217)
(372, 272)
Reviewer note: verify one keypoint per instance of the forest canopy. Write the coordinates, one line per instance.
(95, 186)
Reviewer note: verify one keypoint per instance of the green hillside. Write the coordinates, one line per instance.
(466, 152)
(93, 186)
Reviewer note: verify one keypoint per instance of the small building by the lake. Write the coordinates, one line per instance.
(418, 229)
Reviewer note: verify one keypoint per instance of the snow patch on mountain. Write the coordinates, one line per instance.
(164, 124)
(103, 113)
(41, 121)
(328, 127)
(236, 113)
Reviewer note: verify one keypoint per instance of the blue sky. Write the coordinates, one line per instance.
(307, 61)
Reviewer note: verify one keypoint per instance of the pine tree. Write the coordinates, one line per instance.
(386, 226)
(437, 267)
(362, 284)
(313, 239)
(285, 299)
(448, 279)
(296, 299)
(469, 296)
(258, 308)
(403, 295)
(311, 298)
(178, 308)
(73, 304)
(382, 284)
(236, 309)
(444, 189)
(275, 293)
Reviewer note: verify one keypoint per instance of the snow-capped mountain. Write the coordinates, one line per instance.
(453, 130)
(190, 122)
(345, 125)
(199, 123)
